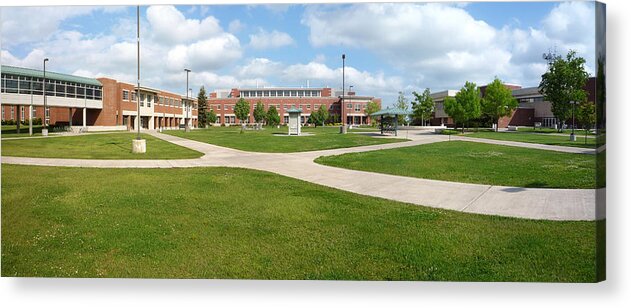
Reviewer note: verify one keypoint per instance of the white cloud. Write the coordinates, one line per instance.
(235, 26)
(18, 26)
(169, 26)
(265, 40)
(442, 45)
(259, 67)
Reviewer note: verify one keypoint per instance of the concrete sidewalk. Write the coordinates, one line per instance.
(533, 203)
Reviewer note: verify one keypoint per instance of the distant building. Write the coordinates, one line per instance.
(532, 106)
(101, 103)
(284, 98)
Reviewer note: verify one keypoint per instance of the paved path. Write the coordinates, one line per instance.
(534, 203)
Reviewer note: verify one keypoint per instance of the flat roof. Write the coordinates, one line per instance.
(28, 72)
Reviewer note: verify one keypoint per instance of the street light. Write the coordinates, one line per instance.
(343, 127)
(572, 136)
(186, 128)
(138, 145)
(45, 129)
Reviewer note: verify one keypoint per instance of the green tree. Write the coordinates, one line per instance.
(242, 111)
(259, 112)
(563, 83)
(422, 106)
(272, 116)
(586, 115)
(402, 103)
(319, 116)
(202, 104)
(465, 106)
(498, 101)
(211, 116)
(371, 107)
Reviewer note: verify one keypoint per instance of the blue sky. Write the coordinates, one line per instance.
(390, 47)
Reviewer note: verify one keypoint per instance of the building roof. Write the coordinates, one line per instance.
(28, 72)
(391, 111)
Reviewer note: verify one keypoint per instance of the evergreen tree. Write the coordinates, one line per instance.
(202, 119)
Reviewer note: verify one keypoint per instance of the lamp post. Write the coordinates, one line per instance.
(350, 89)
(342, 105)
(186, 128)
(30, 113)
(572, 136)
(45, 129)
(138, 145)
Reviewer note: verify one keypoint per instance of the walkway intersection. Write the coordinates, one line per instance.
(532, 203)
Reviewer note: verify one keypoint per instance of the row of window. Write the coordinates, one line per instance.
(160, 100)
(358, 107)
(538, 99)
(34, 86)
(280, 93)
(22, 116)
(287, 106)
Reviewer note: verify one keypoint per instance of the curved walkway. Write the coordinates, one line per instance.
(533, 203)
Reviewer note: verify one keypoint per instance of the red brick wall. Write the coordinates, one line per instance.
(519, 117)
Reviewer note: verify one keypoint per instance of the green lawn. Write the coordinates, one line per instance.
(472, 162)
(274, 140)
(9, 131)
(95, 146)
(245, 224)
(548, 130)
(536, 138)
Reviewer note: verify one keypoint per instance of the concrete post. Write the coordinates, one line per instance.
(84, 115)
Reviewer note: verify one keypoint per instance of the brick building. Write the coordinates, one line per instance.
(531, 106)
(97, 104)
(307, 99)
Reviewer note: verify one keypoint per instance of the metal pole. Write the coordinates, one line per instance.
(138, 68)
(44, 88)
(343, 106)
(30, 113)
(186, 102)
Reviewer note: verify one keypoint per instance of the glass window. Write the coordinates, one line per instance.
(358, 107)
(294, 93)
(149, 98)
(125, 95)
(266, 93)
(60, 90)
(308, 106)
(133, 96)
(33, 112)
(71, 91)
(286, 93)
(89, 93)
(349, 106)
(142, 97)
(25, 87)
(12, 87)
(12, 112)
(21, 113)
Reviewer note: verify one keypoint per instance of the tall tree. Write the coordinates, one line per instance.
(242, 111)
(272, 116)
(564, 82)
(202, 104)
(211, 116)
(259, 112)
(422, 106)
(402, 103)
(586, 115)
(498, 101)
(371, 107)
(319, 116)
(465, 106)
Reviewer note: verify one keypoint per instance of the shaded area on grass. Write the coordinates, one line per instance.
(542, 138)
(95, 146)
(471, 162)
(10, 131)
(265, 140)
(81, 222)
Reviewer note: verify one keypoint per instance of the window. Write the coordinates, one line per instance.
(33, 112)
(12, 112)
(25, 87)
(142, 97)
(294, 93)
(272, 93)
(71, 91)
(60, 90)
(12, 86)
(134, 96)
(21, 113)
(47, 115)
(308, 106)
(149, 99)
(286, 107)
(286, 93)
(125, 95)
(89, 93)
(266, 93)
(358, 107)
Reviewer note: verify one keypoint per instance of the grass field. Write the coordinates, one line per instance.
(237, 223)
(536, 138)
(472, 162)
(95, 146)
(274, 140)
(9, 131)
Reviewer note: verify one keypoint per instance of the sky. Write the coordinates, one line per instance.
(389, 47)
